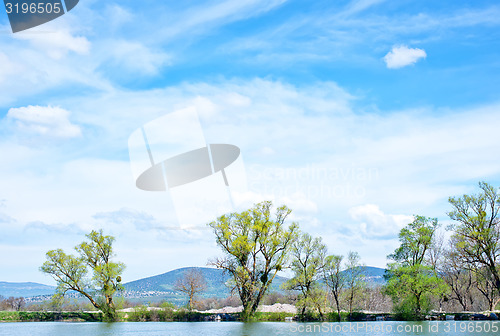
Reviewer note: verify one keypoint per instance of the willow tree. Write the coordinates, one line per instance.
(72, 272)
(256, 248)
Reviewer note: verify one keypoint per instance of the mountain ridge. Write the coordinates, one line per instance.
(162, 286)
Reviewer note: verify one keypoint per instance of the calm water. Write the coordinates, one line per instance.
(477, 328)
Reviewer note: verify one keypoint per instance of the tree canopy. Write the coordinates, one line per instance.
(72, 272)
(411, 279)
(256, 248)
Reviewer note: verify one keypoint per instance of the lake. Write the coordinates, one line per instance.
(449, 328)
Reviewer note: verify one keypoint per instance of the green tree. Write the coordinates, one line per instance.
(71, 273)
(308, 255)
(477, 228)
(411, 288)
(334, 278)
(256, 248)
(354, 279)
(411, 279)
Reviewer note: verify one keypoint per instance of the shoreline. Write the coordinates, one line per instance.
(153, 314)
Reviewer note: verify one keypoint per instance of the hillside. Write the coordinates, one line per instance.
(374, 275)
(162, 286)
(25, 289)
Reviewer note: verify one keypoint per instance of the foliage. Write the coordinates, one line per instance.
(416, 239)
(411, 280)
(272, 316)
(49, 316)
(70, 272)
(411, 288)
(256, 248)
(477, 228)
(308, 260)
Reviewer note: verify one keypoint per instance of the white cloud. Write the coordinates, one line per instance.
(56, 43)
(375, 224)
(401, 56)
(44, 120)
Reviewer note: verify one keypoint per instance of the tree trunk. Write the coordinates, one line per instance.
(247, 313)
(338, 307)
(417, 309)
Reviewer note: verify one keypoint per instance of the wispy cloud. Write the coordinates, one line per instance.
(210, 15)
(357, 6)
(56, 43)
(139, 219)
(132, 57)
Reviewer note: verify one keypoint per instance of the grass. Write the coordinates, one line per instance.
(23, 316)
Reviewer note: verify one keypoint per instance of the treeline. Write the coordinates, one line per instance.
(12, 303)
(426, 272)
(258, 245)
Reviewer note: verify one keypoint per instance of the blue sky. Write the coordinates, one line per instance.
(356, 114)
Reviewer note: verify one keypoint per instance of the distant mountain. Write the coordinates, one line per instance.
(162, 286)
(374, 275)
(25, 289)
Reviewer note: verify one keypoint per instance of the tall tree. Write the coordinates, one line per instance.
(477, 228)
(191, 283)
(70, 272)
(354, 279)
(411, 278)
(308, 255)
(334, 278)
(256, 247)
